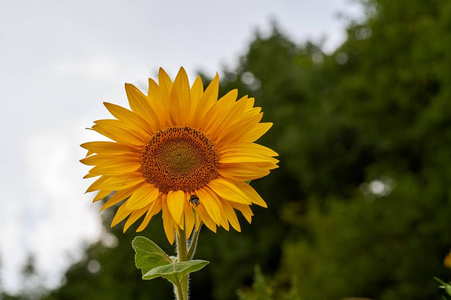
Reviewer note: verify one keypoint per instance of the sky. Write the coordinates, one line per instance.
(60, 60)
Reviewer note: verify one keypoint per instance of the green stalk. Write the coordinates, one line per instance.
(178, 291)
(185, 254)
(182, 289)
(192, 247)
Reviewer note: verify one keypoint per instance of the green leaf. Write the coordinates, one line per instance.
(149, 255)
(439, 281)
(176, 270)
(154, 262)
(444, 285)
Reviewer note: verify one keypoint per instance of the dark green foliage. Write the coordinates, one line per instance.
(383, 248)
(262, 289)
(375, 112)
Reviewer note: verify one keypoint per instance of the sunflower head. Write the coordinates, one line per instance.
(181, 151)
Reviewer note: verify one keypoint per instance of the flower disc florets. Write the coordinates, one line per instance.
(179, 158)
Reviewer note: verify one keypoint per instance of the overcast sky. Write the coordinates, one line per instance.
(59, 60)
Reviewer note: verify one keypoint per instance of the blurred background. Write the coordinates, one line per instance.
(359, 93)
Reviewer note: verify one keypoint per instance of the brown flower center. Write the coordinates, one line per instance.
(179, 158)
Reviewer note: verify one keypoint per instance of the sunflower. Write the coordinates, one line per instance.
(181, 151)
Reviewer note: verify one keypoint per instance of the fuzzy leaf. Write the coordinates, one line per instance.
(149, 255)
(176, 270)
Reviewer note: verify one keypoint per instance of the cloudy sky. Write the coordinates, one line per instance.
(59, 60)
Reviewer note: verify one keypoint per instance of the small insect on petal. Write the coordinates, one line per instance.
(194, 200)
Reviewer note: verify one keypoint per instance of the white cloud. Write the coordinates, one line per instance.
(54, 218)
(94, 68)
(11, 231)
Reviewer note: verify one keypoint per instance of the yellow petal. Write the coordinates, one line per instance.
(154, 94)
(241, 157)
(227, 190)
(116, 169)
(196, 92)
(118, 197)
(211, 204)
(100, 195)
(228, 117)
(108, 158)
(180, 98)
(266, 165)
(130, 117)
(224, 222)
(130, 131)
(252, 112)
(189, 219)
(140, 105)
(206, 101)
(241, 172)
(91, 161)
(156, 102)
(117, 183)
(250, 103)
(205, 217)
(176, 202)
(155, 208)
(134, 216)
(165, 88)
(234, 132)
(96, 184)
(108, 147)
(198, 221)
(142, 197)
(251, 193)
(220, 109)
(231, 216)
(90, 175)
(250, 148)
(120, 135)
(250, 109)
(169, 228)
(256, 132)
(245, 210)
(121, 214)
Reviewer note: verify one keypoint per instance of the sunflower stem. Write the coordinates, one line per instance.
(192, 247)
(182, 256)
(178, 291)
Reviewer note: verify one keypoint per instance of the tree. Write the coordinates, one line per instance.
(371, 153)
